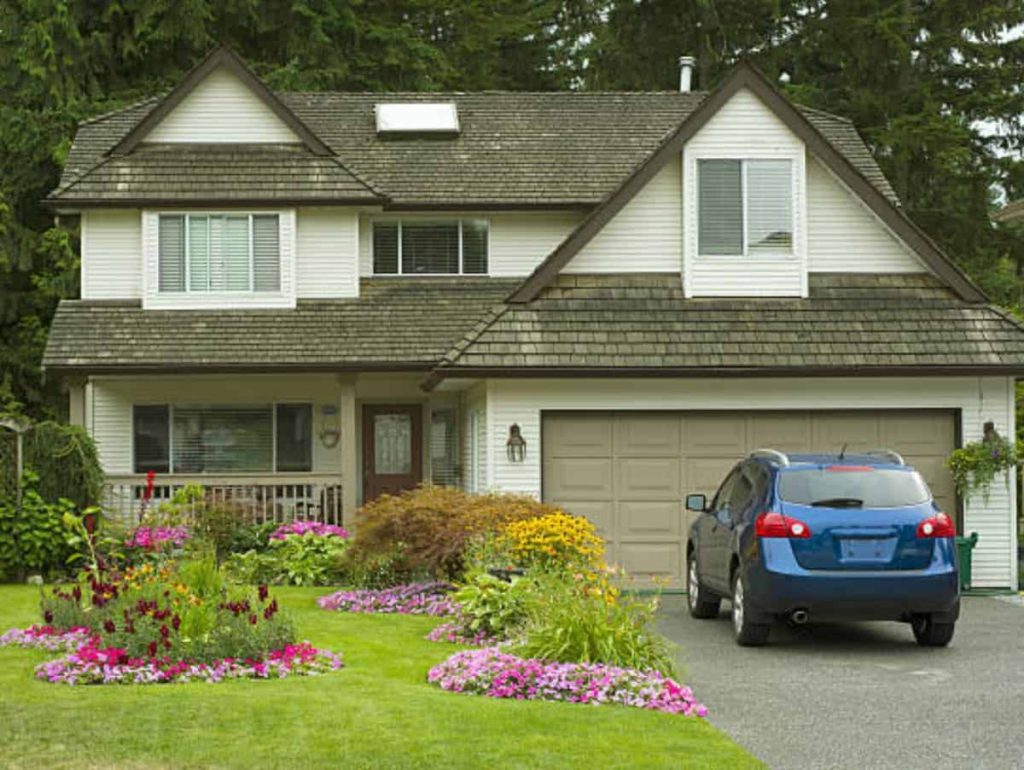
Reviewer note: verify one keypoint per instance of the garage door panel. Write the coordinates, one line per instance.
(647, 560)
(648, 435)
(715, 435)
(916, 434)
(582, 478)
(648, 478)
(600, 514)
(858, 432)
(703, 476)
(650, 518)
(785, 432)
(577, 435)
(938, 478)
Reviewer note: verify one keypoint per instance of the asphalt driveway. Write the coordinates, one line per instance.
(864, 695)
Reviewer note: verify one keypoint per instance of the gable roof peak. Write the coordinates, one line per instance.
(221, 57)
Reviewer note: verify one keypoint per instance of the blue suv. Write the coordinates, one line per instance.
(820, 537)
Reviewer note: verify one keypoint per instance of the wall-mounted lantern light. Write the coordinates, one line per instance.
(516, 444)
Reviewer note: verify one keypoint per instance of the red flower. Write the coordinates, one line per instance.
(152, 649)
(176, 622)
(264, 592)
(48, 616)
(109, 627)
(253, 619)
(165, 631)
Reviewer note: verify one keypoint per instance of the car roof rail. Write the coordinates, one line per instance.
(891, 454)
(779, 458)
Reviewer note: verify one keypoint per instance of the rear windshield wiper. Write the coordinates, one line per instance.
(839, 502)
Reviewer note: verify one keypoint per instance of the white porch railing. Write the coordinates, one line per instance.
(256, 500)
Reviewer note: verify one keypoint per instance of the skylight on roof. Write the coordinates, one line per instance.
(417, 118)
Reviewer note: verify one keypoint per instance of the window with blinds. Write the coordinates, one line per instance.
(205, 253)
(416, 247)
(444, 461)
(222, 439)
(744, 207)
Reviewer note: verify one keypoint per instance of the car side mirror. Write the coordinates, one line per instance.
(697, 503)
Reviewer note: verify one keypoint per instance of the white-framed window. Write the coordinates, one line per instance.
(218, 253)
(430, 247)
(744, 207)
(222, 438)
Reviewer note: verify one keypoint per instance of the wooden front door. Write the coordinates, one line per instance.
(392, 448)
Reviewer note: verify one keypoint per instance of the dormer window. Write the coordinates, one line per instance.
(212, 253)
(745, 207)
(435, 247)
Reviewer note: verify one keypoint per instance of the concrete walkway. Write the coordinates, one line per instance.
(864, 695)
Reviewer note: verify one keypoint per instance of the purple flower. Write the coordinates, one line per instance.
(411, 599)
(312, 528)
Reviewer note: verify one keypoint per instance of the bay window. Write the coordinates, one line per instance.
(744, 207)
(442, 247)
(169, 438)
(209, 253)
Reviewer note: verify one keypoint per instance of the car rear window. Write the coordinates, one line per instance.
(848, 487)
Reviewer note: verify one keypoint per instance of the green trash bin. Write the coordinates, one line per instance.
(964, 547)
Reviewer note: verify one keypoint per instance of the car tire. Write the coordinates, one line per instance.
(928, 633)
(747, 633)
(702, 605)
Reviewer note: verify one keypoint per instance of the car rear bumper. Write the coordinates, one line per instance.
(777, 586)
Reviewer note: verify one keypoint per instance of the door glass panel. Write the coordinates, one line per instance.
(392, 443)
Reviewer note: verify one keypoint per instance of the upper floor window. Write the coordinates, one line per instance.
(207, 253)
(745, 207)
(416, 247)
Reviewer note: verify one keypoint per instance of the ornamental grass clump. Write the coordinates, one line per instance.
(498, 674)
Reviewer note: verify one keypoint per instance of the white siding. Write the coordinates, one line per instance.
(154, 299)
(222, 109)
(112, 398)
(646, 236)
(978, 399)
(326, 253)
(474, 439)
(744, 128)
(518, 242)
(843, 236)
(111, 255)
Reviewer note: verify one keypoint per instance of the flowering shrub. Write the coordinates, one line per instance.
(93, 664)
(315, 528)
(431, 528)
(497, 674)
(411, 599)
(153, 538)
(555, 542)
(46, 638)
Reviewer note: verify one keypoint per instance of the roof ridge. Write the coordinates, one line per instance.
(497, 92)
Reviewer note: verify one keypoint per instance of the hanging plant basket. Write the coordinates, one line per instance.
(976, 464)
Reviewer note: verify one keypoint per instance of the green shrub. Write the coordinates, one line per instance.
(434, 526)
(251, 537)
(34, 539)
(301, 560)
(494, 606)
(374, 570)
(65, 460)
(573, 624)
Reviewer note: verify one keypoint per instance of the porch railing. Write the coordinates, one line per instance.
(255, 501)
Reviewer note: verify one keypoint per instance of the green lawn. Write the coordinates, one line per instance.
(376, 712)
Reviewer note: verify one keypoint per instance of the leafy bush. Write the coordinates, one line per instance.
(579, 623)
(34, 540)
(492, 606)
(377, 570)
(302, 560)
(64, 459)
(434, 526)
(251, 537)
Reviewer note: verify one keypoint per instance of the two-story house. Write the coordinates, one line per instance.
(303, 300)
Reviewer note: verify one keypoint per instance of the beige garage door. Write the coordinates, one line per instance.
(630, 471)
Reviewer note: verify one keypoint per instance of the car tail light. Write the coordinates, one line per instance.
(939, 525)
(777, 525)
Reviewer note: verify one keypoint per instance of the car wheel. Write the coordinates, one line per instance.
(747, 634)
(928, 633)
(701, 604)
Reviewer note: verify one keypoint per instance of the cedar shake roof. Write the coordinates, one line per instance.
(395, 323)
(642, 324)
(514, 149)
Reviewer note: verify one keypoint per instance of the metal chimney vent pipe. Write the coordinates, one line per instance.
(686, 66)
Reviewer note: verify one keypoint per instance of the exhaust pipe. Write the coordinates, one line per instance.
(799, 617)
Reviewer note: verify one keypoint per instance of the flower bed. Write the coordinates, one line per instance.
(46, 638)
(454, 633)
(497, 674)
(151, 538)
(409, 599)
(92, 665)
(315, 528)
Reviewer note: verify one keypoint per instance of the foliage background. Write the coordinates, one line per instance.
(933, 85)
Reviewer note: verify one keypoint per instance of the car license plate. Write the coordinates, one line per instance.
(866, 549)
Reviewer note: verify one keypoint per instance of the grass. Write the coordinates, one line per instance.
(376, 712)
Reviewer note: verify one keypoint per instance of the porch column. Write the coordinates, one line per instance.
(76, 400)
(349, 448)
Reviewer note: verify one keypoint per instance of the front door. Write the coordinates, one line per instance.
(392, 449)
